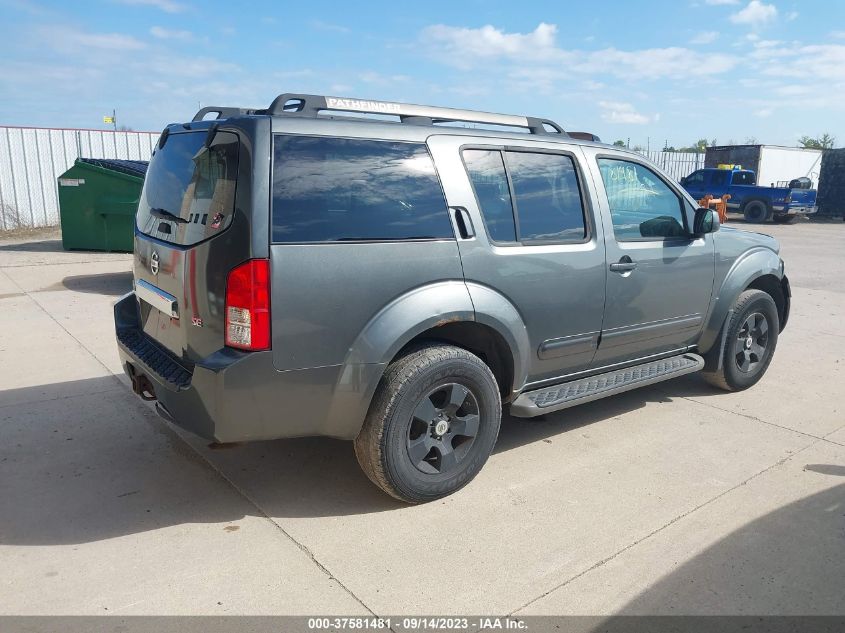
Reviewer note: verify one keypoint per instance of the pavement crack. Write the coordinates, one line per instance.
(751, 417)
(681, 516)
(301, 546)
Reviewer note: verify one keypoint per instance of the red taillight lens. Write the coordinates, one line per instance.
(248, 305)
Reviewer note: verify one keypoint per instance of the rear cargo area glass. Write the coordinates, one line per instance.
(334, 189)
(189, 191)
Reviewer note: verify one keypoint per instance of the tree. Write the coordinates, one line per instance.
(825, 141)
(619, 143)
(751, 140)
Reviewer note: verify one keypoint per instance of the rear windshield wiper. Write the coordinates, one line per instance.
(164, 214)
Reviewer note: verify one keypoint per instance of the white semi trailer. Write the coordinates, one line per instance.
(775, 165)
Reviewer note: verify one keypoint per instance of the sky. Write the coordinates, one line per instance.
(652, 71)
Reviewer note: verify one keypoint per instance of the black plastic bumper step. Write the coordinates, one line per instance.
(569, 394)
(154, 359)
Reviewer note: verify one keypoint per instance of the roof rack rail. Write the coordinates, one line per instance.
(311, 105)
(222, 112)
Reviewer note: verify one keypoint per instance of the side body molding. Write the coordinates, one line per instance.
(749, 266)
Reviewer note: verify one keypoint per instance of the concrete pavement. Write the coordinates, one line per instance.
(671, 499)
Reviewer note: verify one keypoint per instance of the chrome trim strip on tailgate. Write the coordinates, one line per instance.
(157, 298)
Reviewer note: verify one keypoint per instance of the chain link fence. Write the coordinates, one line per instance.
(32, 159)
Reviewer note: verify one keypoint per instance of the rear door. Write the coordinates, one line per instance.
(697, 183)
(536, 241)
(184, 216)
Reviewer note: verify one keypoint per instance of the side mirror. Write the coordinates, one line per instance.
(705, 221)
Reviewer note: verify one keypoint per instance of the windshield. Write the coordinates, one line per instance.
(189, 190)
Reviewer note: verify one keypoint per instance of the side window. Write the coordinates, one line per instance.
(548, 198)
(334, 189)
(720, 178)
(641, 204)
(487, 173)
(696, 178)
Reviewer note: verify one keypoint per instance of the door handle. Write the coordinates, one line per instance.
(624, 265)
(464, 223)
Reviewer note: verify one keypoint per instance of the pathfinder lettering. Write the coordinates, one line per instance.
(369, 106)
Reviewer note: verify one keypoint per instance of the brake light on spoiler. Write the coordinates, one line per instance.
(248, 306)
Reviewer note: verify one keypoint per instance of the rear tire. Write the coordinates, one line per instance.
(756, 211)
(432, 424)
(785, 219)
(750, 342)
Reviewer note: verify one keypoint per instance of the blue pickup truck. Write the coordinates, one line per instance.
(757, 204)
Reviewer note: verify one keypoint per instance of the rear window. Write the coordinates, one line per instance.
(334, 189)
(189, 190)
(744, 178)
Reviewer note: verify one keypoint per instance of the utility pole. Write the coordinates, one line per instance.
(114, 119)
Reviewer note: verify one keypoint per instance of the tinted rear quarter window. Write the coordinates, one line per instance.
(335, 189)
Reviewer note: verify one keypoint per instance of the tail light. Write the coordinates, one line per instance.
(248, 306)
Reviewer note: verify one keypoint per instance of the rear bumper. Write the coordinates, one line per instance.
(235, 396)
(795, 210)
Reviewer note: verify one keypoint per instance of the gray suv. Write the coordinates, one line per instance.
(383, 273)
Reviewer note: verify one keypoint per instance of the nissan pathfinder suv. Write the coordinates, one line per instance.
(383, 273)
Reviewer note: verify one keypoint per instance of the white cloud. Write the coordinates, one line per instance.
(719, 2)
(763, 112)
(69, 39)
(792, 15)
(818, 61)
(488, 42)
(372, 77)
(469, 49)
(619, 112)
(705, 37)
(168, 34)
(168, 6)
(319, 25)
(756, 14)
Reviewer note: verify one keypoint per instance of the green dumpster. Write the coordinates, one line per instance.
(98, 199)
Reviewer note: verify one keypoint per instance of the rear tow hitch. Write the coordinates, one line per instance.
(141, 385)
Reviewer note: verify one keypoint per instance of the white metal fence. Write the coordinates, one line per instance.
(676, 164)
(31, 160)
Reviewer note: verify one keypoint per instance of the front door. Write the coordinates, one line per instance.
(535, 243)
(660, 278)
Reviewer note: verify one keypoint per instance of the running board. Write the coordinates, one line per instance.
(568, 394)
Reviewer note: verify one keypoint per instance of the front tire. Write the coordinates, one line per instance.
(756, 211)
(749, 344)
(432, 424)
